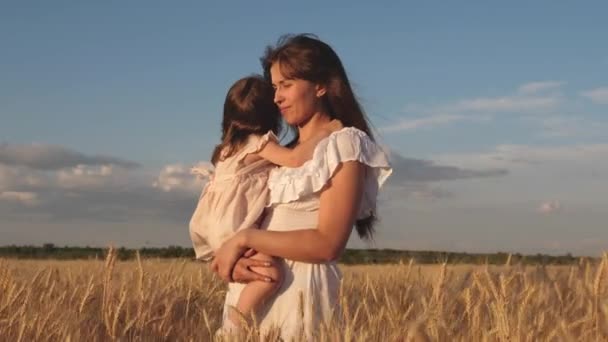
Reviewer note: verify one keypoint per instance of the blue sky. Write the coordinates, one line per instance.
(494, 113)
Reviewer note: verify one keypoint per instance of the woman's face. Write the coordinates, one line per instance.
(297, 99)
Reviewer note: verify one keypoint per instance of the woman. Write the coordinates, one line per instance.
(312, 208)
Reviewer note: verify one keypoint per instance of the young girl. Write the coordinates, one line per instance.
(236, 193)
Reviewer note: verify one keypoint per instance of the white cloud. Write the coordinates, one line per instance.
(414, 124)
(81, 177)
(92, 194)
(15, 177)
(549, 207)
(52, 157)
(598, 95)
(34, 186)
(90, 177)
(408, 170)
(511, 156)
(433, 193)
(560, 127)
(104, 197)
(419, 180)
(507, 104)
(535, 87)
(524, 101)
(568, 126)
(26, 198)
(179, 177)
(572, 153)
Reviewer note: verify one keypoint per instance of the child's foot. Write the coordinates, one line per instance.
(235, 323)
(228, 329)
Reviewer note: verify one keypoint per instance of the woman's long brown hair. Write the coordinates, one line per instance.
(249, 108)
(306, 57)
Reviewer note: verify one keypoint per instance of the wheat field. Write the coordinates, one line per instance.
(179, 300)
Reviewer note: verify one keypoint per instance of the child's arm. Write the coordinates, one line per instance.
(295, 157)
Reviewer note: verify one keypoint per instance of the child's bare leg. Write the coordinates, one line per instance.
(256, 292)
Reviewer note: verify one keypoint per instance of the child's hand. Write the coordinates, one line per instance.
(334, 125)
(327, 129)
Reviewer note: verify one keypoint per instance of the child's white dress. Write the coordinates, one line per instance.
(233, 199)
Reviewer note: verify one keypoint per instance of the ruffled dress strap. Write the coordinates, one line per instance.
(233, 166)
(349, 144)
(256, 143)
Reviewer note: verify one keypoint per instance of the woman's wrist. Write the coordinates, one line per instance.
(243, 238)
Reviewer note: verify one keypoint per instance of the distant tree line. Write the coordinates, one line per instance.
(382, 256)
(350, 256)
(50, 251)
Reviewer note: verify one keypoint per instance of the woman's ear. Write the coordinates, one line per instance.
(321, 90)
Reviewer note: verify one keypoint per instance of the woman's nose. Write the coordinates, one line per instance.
(278, 98)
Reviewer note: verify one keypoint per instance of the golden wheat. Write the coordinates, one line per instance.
(179, 300)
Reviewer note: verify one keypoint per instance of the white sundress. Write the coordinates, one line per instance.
(309, 292)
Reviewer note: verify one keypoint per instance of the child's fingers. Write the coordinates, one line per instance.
(253, 275)
(258, 263)
(259, 277)
(252, 264)
(249, 253)
(245, 274)
(335, 125)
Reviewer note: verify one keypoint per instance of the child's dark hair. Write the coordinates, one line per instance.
(249, 108)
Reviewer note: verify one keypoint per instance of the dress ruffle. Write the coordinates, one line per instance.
(349, 144)
(256, 146)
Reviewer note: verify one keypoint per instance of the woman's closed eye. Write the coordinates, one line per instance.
(282, 86)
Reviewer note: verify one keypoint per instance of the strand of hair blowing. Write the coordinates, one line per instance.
(306, 57)
(340, 101)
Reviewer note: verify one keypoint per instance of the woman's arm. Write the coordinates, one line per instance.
(337, 213)
(339, 206)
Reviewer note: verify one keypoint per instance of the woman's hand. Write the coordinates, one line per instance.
(242, 272)
(227, 256)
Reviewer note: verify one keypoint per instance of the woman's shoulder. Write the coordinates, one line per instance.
(349, 137)
(351, 132)
(348, 144)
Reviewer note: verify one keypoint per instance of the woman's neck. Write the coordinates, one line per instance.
(310, 127)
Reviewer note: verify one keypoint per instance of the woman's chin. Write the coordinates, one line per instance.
(291, 121)
(296, 121)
